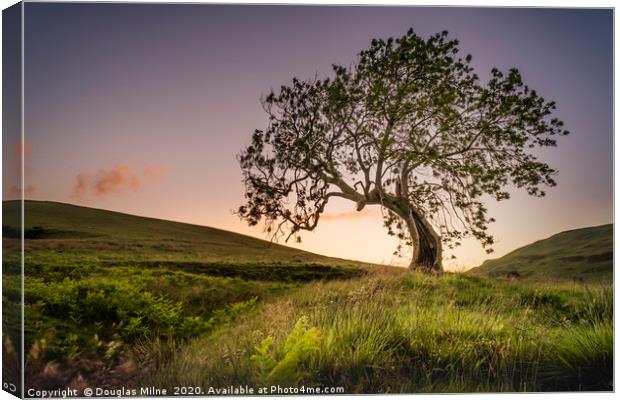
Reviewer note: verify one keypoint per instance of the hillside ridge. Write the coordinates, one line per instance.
(576, 254)
(75, 222)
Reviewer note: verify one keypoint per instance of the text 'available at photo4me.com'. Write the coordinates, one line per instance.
(153, 391)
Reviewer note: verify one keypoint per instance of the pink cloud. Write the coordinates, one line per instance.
(81, 184)
(121, 178)
(155, 172)
(21, 148)
(16, 190)
(347, 215)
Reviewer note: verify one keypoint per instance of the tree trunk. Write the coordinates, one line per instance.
(426, 243)
(427, 248)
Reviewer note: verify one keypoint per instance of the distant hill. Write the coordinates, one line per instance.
(580, 254)
(114, 235)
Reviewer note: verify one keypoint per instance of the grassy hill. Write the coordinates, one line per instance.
(115, 235)
(114, 300)
(579, 254)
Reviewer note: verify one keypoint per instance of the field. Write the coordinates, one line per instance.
(116, 300)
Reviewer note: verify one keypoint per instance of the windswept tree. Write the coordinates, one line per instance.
(409, 127)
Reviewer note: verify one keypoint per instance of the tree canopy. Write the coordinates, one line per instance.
(409, 127)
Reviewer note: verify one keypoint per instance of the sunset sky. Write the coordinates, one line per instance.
(143, 108)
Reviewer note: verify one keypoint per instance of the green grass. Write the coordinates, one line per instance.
(394, 331)
(580, 255)
(117, 300)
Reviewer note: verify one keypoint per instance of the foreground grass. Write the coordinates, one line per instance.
(394, 332)
(87, 310)
(380, 330)
(113, 301)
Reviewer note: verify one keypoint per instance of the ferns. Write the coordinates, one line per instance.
(300, 345)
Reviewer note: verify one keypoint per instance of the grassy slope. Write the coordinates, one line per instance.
(86, 228)
(394, 331)
(116, 300)
(576, 254)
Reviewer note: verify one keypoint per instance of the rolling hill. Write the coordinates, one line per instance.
(579, 254)
(115, 236)
(119, 301)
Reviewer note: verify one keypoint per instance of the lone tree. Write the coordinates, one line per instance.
(411, 128)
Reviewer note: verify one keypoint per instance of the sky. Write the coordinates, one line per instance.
(143, 108)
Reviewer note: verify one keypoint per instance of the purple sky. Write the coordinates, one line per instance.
(142, 108)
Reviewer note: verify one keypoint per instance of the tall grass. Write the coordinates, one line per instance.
(402, 332)
(581, 359)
